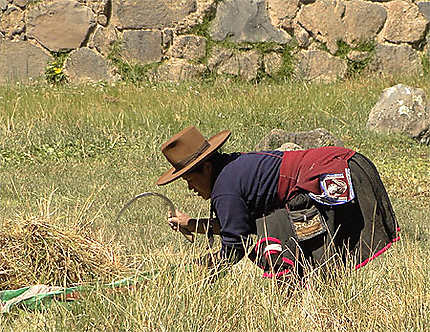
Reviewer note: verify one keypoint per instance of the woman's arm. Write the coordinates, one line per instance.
(193, 225)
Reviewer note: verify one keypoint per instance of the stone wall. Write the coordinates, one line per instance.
(108, 40)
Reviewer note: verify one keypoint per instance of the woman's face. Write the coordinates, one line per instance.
(200, 181)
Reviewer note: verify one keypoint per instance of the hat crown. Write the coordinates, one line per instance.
(184, 147)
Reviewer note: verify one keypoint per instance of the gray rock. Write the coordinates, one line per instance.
(402, 109)
(405, 23)
(3, 4)
(358, 56)
(305, 139)
(391, 59)
(240, 64)
(272, 63)
(302, 36)
(289, 147)
(188, 47)
(100, 6)
(12, 22)
(249, 64)
(424, 8)
(104, 38)
(102, 19)
(20, 3)
(282, 13)
(218, 57)
(150, 14)
(21, 62)
(324, 20)
(142, 46)
(351, 21)
(60, 25)
(176, 70)
(245, 21)
(85, 65)
(363, 21)
(319, 66)
(167, 37)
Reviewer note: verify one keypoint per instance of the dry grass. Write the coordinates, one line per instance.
(39, 250)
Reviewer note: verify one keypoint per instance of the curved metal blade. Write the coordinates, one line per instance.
(185, 232)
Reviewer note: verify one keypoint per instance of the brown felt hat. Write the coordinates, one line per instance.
(187, 149)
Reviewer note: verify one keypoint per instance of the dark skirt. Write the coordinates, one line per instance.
(355, 232)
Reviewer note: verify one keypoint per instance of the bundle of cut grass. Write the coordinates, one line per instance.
(40, 251)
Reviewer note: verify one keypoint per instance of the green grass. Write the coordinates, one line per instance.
(79, 153)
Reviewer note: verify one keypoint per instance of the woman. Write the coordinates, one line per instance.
(306, 206)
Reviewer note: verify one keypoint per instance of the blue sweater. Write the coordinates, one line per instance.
(245, 189)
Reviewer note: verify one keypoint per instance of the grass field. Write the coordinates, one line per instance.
(76, 154)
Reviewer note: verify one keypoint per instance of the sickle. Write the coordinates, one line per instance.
(188, 235)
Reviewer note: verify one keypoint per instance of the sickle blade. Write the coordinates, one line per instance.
(189, 236)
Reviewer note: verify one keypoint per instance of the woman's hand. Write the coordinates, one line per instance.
(181, 219)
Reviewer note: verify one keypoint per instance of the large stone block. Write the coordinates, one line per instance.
(21, 61)
(272, 63)
(363, 21)
(85, 65)
(282, 12)
(176, 70)
(150, 14)
(324, 20)
(103, 39)
(60, 25)
(394, 59)
(245, 21)
(12, 22)
(319, 66)
(188, 47)
(142, 46)
(3, 4)
(350, 21)
(241, 64)
(405, 23)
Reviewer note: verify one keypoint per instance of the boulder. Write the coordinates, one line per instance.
(302, 36)
(289, 147)
(354, 21)
(21, 61)
(3, 4)
(357, 56)
(84, 65)
(188, 47)
(363, 20)
(324, 20)
(282, 12)
(142, 46)
(243, 64)
(272, 63)
(103, 39)
(392, 59)
(402, 109)
(176, 70)
(150, 14)
(12, 22)
(319, 66)
(60, 25)
(245, 21)
(20, 3)
(304, 139)
(218, 57)
(405, 23)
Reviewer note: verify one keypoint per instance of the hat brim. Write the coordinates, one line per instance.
(215, 142)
